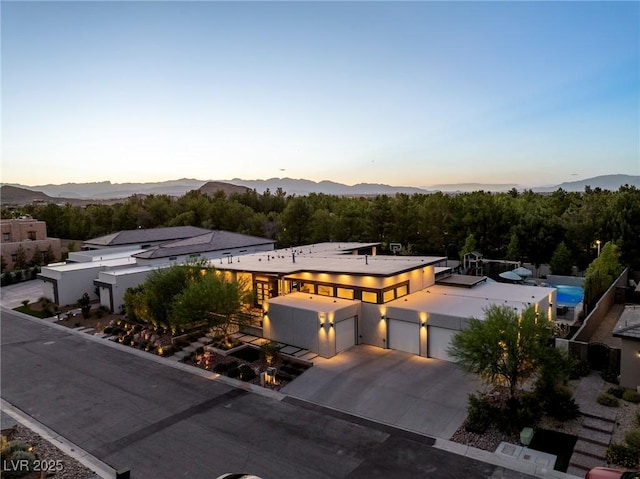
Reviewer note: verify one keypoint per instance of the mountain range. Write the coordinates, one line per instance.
(78, 193)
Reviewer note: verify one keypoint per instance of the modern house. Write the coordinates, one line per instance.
(135, 253)
(628, 330)
(329, 296)
(112, 283)
(27, 237)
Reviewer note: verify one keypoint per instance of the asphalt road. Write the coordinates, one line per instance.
(161, 422)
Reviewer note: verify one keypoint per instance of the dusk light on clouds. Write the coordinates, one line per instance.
(402, 93)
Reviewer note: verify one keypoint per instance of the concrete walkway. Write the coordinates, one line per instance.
(597, 427)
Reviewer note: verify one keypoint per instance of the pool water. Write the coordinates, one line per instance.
(568, 295)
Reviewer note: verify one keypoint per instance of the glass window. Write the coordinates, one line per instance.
(388, 295)
(6, 236)
(401, 291)
(306, 288)
(369, 296)
(325, 290)
(345, 293)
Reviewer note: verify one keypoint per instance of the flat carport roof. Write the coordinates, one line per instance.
(312, 302)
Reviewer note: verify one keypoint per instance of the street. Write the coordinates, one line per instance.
(161, 422)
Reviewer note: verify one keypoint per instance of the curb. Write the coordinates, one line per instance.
(72, 450)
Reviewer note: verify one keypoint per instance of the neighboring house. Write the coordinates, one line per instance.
(65, 283)
(113, 283)
(28, 237)
(329, 296)
(628, 330)
(144, 238)
(128, 256)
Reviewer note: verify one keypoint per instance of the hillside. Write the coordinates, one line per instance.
(212, 187)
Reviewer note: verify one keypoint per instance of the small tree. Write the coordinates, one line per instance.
(85, 305)
(469, 246)
(601, 273)
(504, 349)
(561, 260)
(21, 258)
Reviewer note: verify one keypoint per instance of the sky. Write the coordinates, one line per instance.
(403, 93)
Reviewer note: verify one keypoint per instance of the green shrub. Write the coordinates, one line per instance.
(479, 413)
(233, 372)
(616, 391)
(607, 399)
(12, 447)
(622, 455)
(107, 330)
(610, 375)
(16, 458)
(528, 410)
(220, 368)
(633, 439)
(561, 405)
(631, 395)
(246, 373)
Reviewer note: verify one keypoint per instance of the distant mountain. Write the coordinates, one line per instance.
(465, 187)
(82, 193)
(301, 187)
(108, 190)
(15, 196)
(212, 187)
(605, 182)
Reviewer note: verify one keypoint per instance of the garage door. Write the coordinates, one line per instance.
(439, 340)
(404, 336)
(345, 334)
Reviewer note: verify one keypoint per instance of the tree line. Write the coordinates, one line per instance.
(519, 226)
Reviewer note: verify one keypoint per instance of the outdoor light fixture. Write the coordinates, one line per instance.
(321, 324)
(331, 324)
(382, 317)
(423, 324)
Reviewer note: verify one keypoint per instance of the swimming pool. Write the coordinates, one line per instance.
(568, 295)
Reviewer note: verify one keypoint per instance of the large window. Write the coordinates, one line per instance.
(325, 290)
(369, 296)
(344, 293)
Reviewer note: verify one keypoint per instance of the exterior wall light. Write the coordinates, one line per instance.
(331, 324)
(382, 317)
(423, 324)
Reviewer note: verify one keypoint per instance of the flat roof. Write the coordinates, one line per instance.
(290, 261)
(464, 280)
(520, 293)
(447, 301)
(102, 254)
(90, 265)
(312, 302)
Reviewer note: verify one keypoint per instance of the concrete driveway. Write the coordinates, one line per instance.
(12, 295)
(424, 395)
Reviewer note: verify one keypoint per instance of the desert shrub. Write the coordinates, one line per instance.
(127, 339)
(16, 458)
(616, 391)
(18, 276)
(610, 375)
(631, 395)
(233, 372)
(607, 399)
(220, 368)
(480, 413)
(269, 352)
(107, 330)
(12, 447)
(561, 405)
(633, 439)
(25, 302)
(622, 455)
(233, 364)
(528, 410)
(246, 373)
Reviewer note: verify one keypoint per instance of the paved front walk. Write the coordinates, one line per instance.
(597, 426)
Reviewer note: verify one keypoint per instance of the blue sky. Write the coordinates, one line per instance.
(403, 93)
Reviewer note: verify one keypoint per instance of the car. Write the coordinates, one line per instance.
(609, 473)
